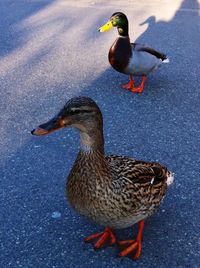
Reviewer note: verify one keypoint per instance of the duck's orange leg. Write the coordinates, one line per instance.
(104, 238)
(133, 246)
(141, 87)
(130, 83)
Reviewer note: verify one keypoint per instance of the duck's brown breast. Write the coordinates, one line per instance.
(120, 54)
(87, 187)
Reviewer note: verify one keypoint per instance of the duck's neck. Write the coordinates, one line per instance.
(92, 141)
(123, 31)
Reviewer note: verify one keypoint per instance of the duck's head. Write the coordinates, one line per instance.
(81, 113)
(119, 20)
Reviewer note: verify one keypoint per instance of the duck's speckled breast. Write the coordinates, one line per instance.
(102, 205)
(87, 187)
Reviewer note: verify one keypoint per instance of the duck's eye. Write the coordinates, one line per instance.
(76, 111)
(114, 22)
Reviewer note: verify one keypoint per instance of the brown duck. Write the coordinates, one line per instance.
(113, 191)
(131, 58)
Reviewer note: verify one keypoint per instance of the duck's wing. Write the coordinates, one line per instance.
(142, 48)
(139, 172)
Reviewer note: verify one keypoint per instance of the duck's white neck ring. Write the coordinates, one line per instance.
(124, 37)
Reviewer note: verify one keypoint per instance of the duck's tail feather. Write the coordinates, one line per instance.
(170, 178)
(166, 60)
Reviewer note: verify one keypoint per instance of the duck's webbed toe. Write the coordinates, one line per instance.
(103, 239)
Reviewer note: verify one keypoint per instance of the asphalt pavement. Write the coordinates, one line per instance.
(51, 51)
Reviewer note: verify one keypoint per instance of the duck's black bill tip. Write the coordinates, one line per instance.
(40, 131)
(32, 131)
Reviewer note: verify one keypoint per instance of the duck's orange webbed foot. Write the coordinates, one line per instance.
(141, 87)
(133, 248)
(130, 83)
(106, 238)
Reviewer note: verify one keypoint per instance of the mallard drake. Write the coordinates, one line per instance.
(131, 58)
(113, 191)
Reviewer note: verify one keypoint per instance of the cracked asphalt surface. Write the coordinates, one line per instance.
(51, 51)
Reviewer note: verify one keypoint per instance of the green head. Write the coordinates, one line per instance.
(118, 20)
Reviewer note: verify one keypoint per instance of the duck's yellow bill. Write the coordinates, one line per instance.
(106, 27)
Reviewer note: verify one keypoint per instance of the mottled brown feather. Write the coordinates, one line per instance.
(115, 190)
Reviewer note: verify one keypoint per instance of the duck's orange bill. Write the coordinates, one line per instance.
(49, 127)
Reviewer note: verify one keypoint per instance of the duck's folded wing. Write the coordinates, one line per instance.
(138, 171)
(157, 54)
(143, 172)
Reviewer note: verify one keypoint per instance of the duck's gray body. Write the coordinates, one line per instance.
(144, 60)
